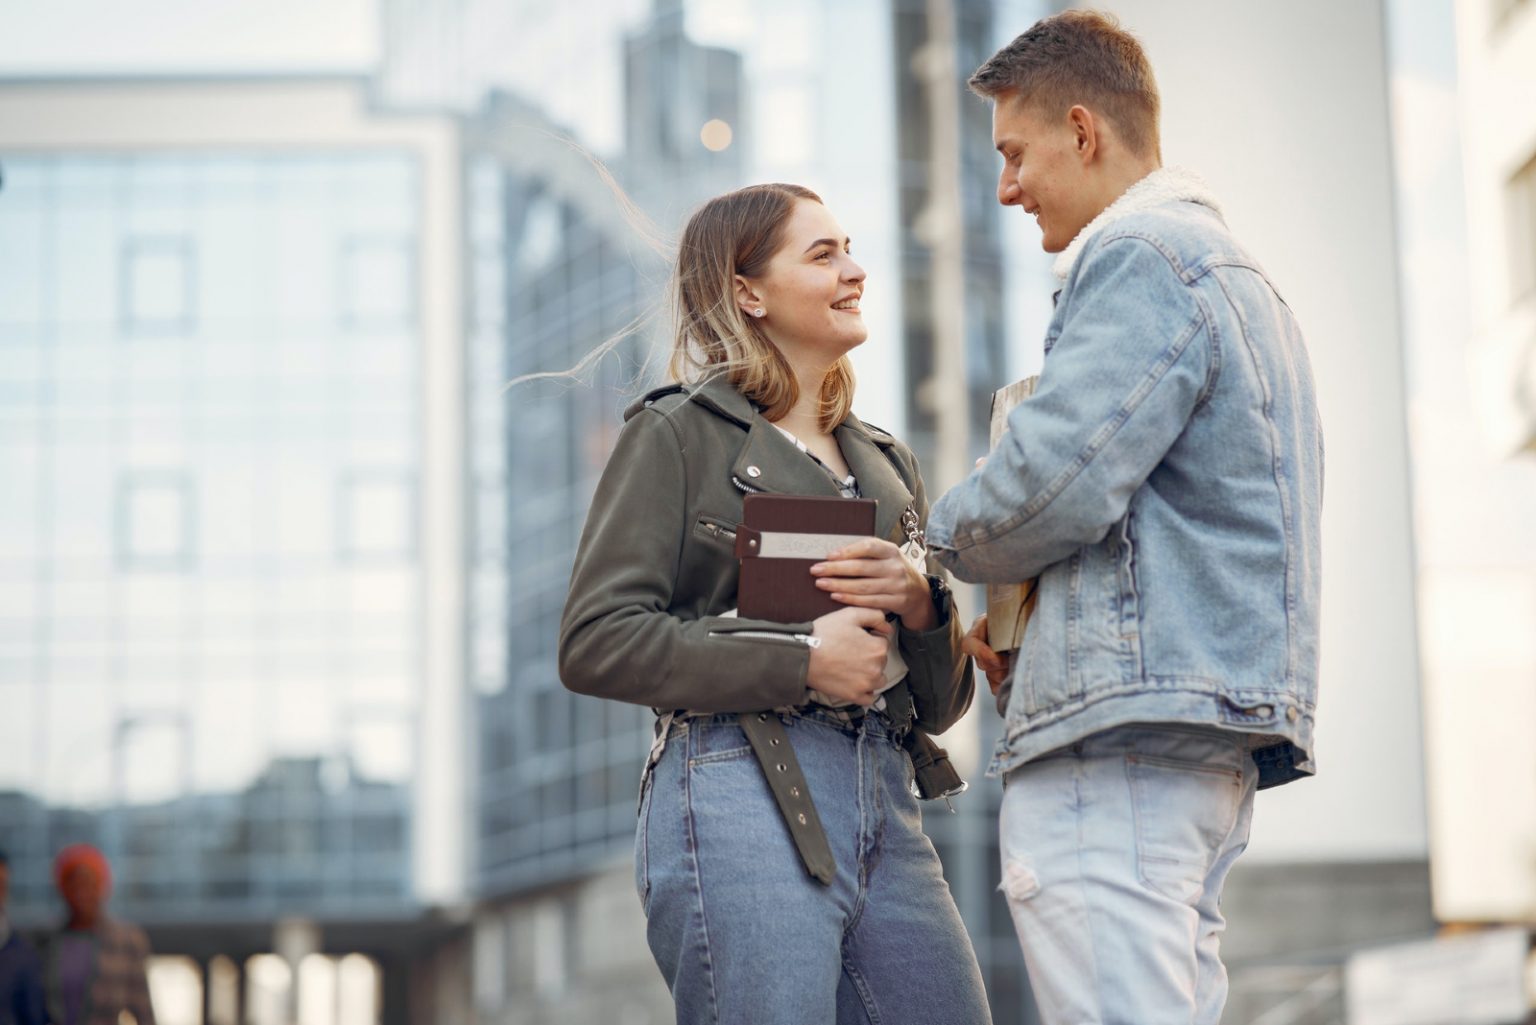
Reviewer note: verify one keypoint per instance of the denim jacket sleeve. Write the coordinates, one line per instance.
(1128, 369)
(619, 637)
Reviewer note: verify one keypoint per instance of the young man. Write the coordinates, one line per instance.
(1164, 484)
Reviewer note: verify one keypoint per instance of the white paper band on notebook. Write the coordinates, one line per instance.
(780, 544)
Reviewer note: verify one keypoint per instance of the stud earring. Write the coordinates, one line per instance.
(759, 312)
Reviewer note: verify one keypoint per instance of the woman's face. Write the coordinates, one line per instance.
(810, 290)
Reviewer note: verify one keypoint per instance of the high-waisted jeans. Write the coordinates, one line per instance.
(743, 934)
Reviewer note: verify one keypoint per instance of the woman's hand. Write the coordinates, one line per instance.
(994, 665)
(848, 666)
(873, 574)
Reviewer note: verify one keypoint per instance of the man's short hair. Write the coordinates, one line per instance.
(1080, 57)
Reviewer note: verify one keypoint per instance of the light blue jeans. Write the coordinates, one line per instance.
(743, 934)
(1114, 853)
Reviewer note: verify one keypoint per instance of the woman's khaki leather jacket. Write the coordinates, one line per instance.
(656, 569)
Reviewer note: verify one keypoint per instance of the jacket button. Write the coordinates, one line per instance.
(1264, 711)
(753, 471)
(1291, 715)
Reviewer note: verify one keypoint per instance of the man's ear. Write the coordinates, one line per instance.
(745, 295)
(1085, 128)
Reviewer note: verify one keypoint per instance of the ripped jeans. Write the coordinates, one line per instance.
(1114, 852)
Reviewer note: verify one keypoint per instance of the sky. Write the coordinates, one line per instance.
(64, 37)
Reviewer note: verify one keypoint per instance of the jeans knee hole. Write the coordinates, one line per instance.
(1019, 881)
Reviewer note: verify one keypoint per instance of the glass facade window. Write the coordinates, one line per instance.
(377, 513)
(211, 630)
(546, 808)
(155, 521)
(376, 277)
(158, 285)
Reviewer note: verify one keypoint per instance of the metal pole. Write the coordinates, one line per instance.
(942, 226)
(944, 395)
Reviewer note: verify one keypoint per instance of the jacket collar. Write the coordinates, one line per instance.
(1165, 185)
(783, 469)
(716, 394)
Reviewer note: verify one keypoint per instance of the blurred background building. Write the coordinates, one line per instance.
(282, 557)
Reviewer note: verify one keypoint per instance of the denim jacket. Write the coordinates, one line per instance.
(1165, 484)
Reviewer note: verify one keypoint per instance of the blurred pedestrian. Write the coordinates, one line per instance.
(95, 965)
(1164, 483)
(21, 973)
(780, 857)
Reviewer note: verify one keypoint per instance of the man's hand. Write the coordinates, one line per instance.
(994, 665)
(849, 664)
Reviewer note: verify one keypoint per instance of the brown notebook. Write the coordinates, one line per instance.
(780, 539)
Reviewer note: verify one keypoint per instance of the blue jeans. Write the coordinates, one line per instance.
(1114, 853)
(743, 934)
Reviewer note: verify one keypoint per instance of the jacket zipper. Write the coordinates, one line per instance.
(744, 486)
(809, 640)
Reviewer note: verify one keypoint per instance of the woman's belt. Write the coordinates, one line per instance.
(934, 776)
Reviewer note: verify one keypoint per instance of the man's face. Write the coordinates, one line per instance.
(81, 890)
(1043, 172)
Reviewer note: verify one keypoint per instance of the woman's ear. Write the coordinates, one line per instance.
(747, 297)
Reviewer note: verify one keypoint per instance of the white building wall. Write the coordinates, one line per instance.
(1475, 447)
(1284, 110)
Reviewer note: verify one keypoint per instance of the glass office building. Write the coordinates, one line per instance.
(556, 772)
(557, 268)
(210, 634)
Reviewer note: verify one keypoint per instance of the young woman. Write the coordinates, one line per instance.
(779, 855)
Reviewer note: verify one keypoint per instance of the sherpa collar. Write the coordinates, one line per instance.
(1165, 185)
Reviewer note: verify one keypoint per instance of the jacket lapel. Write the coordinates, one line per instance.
(771, 462)
(877, 476)
(781, 468)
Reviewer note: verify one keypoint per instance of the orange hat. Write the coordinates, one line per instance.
(76, 855)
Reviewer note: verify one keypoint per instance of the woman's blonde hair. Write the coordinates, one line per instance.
(738, 233)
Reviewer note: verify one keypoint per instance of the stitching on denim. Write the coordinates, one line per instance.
(861, 887)
(1287, 514)
(698, 889)
(1093, 932)
(730, 755)
(1131, 759)
(861, 987)
(643, 844)
(1096, 444)
(1194, 685)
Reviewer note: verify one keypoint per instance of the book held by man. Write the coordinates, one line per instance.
(1008, 605)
